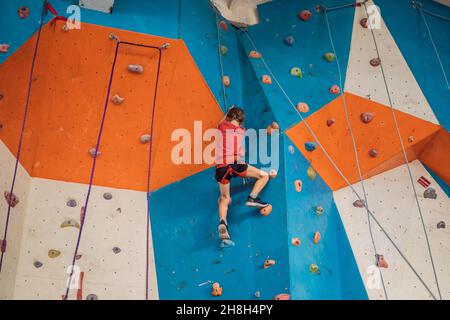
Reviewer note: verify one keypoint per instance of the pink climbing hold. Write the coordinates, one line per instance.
(282, 296)
(373, 153)
(364, 23)
(305, 15)
(381, 262)
(266, 79)
(23, 12)
(223, 25)
(330, 122)
(375, 62)
(366, 117)
(4, 48)
(334, 89)
(11, 199)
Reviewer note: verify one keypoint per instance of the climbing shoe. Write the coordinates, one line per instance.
(256, 202)
(223, 231)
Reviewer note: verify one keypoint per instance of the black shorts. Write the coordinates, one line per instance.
(224, 174)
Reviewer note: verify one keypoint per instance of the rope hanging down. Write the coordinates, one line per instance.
(24, 121)
(406, 162)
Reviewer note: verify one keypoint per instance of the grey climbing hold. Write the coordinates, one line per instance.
(373, 153)
(359, 203)
(145, 138)
(310, 146)
(116, 250)
(135, 68)
(366, 117)
(289, 40)
(107, 196)
(430, 193)
(226, 243)
(257, 294)
(291, 149)
(94, 152)
(91, 297)
(71, 203)
(441, 225)
(37, 264)
(330, 122)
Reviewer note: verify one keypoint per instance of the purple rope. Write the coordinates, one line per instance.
(19, 147)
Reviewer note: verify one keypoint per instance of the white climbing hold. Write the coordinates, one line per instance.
(117, 100)
(94, 152)
(4, 48)
(145, 138)
(135, 68)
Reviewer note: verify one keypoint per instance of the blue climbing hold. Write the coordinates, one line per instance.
(289, 40)
(310, 146)
(226, 243)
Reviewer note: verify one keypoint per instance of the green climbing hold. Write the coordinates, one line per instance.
(223, 50)
(314, 268)
(311, 173)
(296, 72)
(329, 57)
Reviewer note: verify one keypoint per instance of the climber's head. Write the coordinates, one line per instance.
(237, 114)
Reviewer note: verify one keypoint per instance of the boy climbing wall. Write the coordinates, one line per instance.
(230, 163)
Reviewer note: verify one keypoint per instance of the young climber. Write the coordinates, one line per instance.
(230, 163)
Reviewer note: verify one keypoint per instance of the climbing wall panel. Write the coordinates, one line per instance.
(15, 227)
(437, 154)
(112, 248)
(379, 134)
(367, 81)
(65, 115)
(391, 199)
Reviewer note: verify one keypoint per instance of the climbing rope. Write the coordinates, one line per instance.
(219, 44)
(325, 9)
(406, 162)
(418, 6)
(105, 109)
(355, 151)
(334, 164)
(25, 114)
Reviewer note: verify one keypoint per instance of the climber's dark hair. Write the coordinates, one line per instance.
(236, 113)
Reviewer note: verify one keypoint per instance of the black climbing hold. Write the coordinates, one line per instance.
(441, 225)
(107, 196)
(359, 204)
(430, 193)
(116, 250)
(366, 117)
(375, 62)
(373, 153)
(91, 297)
(37, 264)
(72, 203)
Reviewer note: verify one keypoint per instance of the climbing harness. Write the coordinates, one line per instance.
(24, 120)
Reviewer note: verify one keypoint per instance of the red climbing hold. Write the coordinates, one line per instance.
(366, 117)
(11, 199)
(381, 262)
(282, 296)
(4, 48)
(305, 15)
(375, 62)
(330, 122)
(24, 12)
(223, 25)
(334, 89)
(363, 22)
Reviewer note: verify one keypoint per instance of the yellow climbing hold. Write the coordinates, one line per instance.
(314, 268)
(311, 173)
(70, 223)
(52, 253)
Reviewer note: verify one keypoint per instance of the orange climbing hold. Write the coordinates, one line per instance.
(226, 81)
(268, 263)
(305, 15)
(266, 79)
(216, 289)
(316, 238)
(298, 185)
(296, 241)
(282, 296)
(302, 107)
(266, 210)
(254, 54)
(271, 128)
(381, 262)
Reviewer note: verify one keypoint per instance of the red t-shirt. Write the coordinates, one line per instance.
(230, 148)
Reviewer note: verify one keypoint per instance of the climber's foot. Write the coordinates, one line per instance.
(256, 202)
(223, 231)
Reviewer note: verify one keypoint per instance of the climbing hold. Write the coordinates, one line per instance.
(226, 243)
(375, 62)
(282, 296)
(272, 128)
(366, 117)
(310, 146)
(305, 15)
(37, 264)
(296, 72)
(223, 25)
(273, 173)
(1, 126)
(311, 173)
(266, 79)
(145, 138)
(91, 297)
(314, 268)
(1, 95)
(316, 237)
(430, 193)
(410, 139)
(257, 294)
(135, 68)
(4, 48)
(254, 54)
(359, 203)
(71, 203)
(78, 256)
(94, 152)
(117, 100)
(295, 241)
(226, 81)
(319, 210)
(381, 262)
(329, 57)
(11, 199)
(302, 107)
(70, 223)
(364, 23)
(334, 89)
(330, 122)
(373, 153)
(116, 250)
(289, 40)
(223, 50)
(441, 225)
(52, 253)
(24, 12)
(266, 210)
(268, 263)
(291, 149)
(216, 289)
(107, 196)
(65, 28)
(2, 245)
(298, 185)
